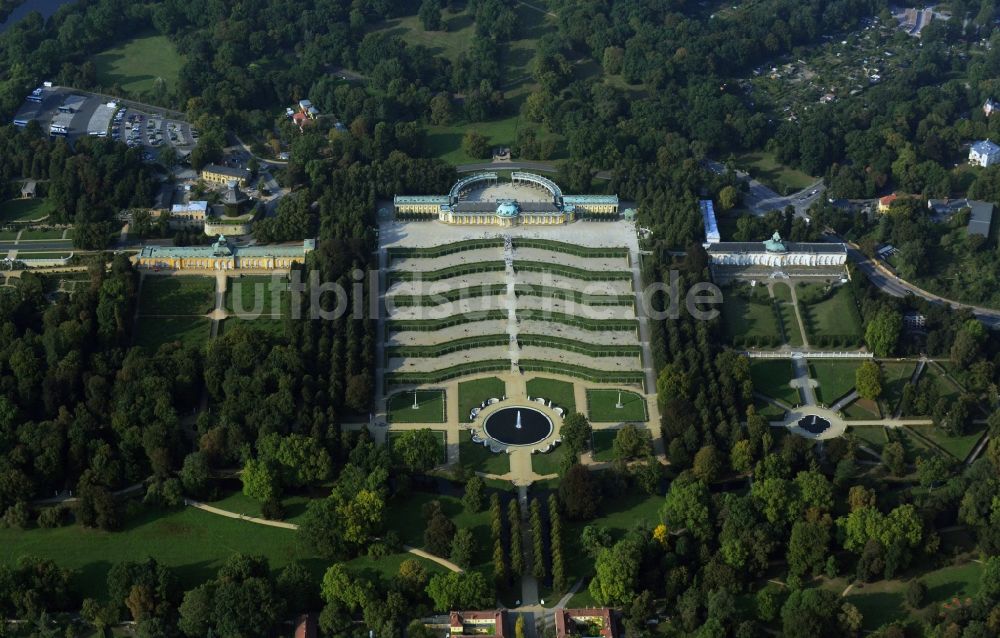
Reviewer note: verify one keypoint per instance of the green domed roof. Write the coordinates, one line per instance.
(508, 209)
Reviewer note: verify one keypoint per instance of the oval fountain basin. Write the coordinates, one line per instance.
(502, 425)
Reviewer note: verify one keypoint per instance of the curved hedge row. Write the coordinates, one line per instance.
(528, 290)
(571, 345)
(444, 374)
(446, 273)
(614, 325)
(456, 345)
(581, 372)
(570, 271)
(429, 325)
(444, 249)
(440, 298)
(572, 249)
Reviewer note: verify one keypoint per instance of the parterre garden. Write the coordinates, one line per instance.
(430, 407)
(602, 406)
(559, 392)
(472, 394)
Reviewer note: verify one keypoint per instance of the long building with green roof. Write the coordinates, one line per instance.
(224, 255)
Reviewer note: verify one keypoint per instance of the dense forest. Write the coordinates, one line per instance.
(86, 186)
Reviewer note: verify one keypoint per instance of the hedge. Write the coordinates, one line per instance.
(528, 290)
(614, 325)
(444, 249)
(437, 376)
(569, 271)
(572, 249)
(571, 345)
(440, 298)
(582, 372)
(428, 325)
(456, 345)
(446, 273)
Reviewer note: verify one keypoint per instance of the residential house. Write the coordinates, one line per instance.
(984, 153)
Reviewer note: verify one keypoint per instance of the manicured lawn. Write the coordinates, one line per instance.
(765, 168)
(295, 506)
(549, 462)
(603, 444)
(601, 406)
(958, 446)
(946, 389)
(24, 210)
(882, 602)
(445, 142)
(8, 235)
(771, 377)
(915, 446)
(430, 407)
(746, 319)
(49, 233)
(836, 378)
(559, 392)
(836, 316)
(862, 409)
(895, 376)
(386, 568)
(255, 295)
(478, 458)
(441, 436)
(192, 542)
(790, 324)
(472, 394)
(871, 436)
(177, 295)
(155, 331)
(271, 326)
(139, 63)
(768, 410)
(405, 516)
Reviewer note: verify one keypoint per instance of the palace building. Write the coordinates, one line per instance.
(222, 255)
(729, 258)
(223, 175)
(528, 200)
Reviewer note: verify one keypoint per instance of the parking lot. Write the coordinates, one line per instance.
(73, 114)
(152, 132)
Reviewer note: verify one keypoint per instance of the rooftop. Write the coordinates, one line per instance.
(980, 218)
(478, 624)
(985, 147)
(226, 170)
(790, 247)
(199, 206)
(223, 245)
(590, 622)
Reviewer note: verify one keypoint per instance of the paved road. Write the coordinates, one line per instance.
(43, 245)
(893, 285)
(761, 199)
